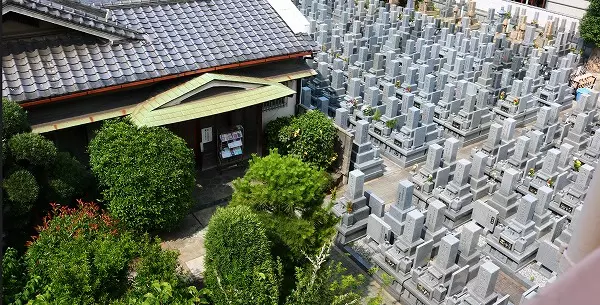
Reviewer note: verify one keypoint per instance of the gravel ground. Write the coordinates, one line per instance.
(530, 271)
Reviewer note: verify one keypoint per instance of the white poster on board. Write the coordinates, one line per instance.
(207, 135)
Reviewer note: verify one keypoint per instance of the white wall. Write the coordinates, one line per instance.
(555, 8)
(289, 109)
(575, 8)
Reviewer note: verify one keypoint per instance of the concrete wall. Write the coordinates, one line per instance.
(344, 152)
(288, 110)
(572, 10)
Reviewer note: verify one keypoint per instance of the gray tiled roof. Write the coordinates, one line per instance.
(180, 37)
(81, 16)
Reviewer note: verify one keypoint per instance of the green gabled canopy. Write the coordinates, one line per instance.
(178, 104)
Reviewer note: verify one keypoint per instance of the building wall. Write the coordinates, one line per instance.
(572, 10)
(288, 110)
(575, 8)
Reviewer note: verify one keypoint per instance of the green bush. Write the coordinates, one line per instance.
(69, 179)
(147, 174)
(14, 275)
(239, 268)
(272, 133)
(83, 256)
(14, 119)
(287, 196)
(33, 148)
(589, 27)
(311, 137)
(22, 190)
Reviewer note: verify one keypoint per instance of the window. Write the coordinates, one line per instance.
(274, 104)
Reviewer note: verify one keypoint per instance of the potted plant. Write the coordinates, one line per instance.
(516, 102)
(577, 164)
(368, 112)
(349, 206)
(377, 115)
(398, 84)
(502, 95)
(389, 126)
(430, 178)
(531, 172)
(550, 183)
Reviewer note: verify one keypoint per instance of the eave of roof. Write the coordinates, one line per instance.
(158, 79)
(71, 18)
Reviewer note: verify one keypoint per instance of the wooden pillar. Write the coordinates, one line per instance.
(259, 144)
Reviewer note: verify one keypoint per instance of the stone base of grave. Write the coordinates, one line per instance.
(528, 116)
(556, 208)
(507, 209)
(435, 236)
(467, 138)
(510, 260)
(349, 234)
(372, 168)
(422, 199)
(390, 270)
(453, 219)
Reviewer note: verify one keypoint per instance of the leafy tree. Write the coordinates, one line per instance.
(147, 174)
(287, 195)
(37, 174)
(83, 256)
(272, 133)
(589, 27)
(32, 148)
(239, 267)
(14, 275)
(325, 282)
(311, 137)
(21, 188)
(14, 119)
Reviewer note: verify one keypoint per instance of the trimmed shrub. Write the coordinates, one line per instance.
(83, 256)
(147, 174)
(22, 190)
(287, 194)
(32, 148)
(311, 137)
(239, 268)
(272, 133)
(14, 119)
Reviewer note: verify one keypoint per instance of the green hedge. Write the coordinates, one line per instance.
(147, 174)
(239, 268)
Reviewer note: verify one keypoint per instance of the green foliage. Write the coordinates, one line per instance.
(14, 119)
(368, 111)
(310, 137)
(390, 124)
(287, 195)
(272, 131)
(32, 148)
(14, 275)
(83, 256)
(323, 282)
(577, 164)
(147, 174)
(22, 188)
(239, 267)
(377, 115)
(69, 179)
(163, 293)
(589, 27)
(80, 254)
